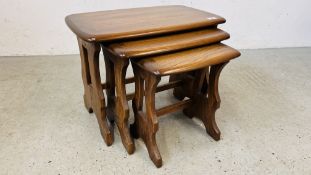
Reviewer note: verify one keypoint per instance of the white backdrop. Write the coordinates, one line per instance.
(37, 27)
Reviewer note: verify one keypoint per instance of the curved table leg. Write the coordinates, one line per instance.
(121, 106)
(96, 100)
(146, 125)
(110, 88)
(206, 98)
(150, 137)
(212, 103)
(137, 102)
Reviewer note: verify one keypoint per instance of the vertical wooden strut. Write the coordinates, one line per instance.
(213, 101)
(110, 88)
(94, 99)
(86, 77)
(199, 78)
(117, 109)
(146, 125)
(207, 100)
(122, 108)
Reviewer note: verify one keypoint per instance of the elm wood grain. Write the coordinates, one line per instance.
(86, 77)
(94, 98)
(93, 93)
(146, 125)
(111, 25)
(117, 71)
(174, 107)
(109, 86)
(169, 85)
(207, 101)
(184, 91)
(147, 76)
(167, 43)
(117, 105)
(212, 102)
(163, 87)
(199, 80)
(179, 62)
(117, 108)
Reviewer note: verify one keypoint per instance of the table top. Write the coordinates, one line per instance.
(167, 43)
(179, 62)
(137, 22)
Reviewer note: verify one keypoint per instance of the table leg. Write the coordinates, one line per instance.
(146, 124)
(213, 102)
(94, 96)
(116, 77)
(110, 88)
(86, 77)
(207, 100)
(122, 109)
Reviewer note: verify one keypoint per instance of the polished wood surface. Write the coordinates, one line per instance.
(174, 40)
(137, 22)
(207, 100)
(116, 94)
(202, 104)
(167, 43)
(198, 58)
(94, 98)
(174, 107)
(146, 123)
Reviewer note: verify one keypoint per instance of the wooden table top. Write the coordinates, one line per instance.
(179, 62)
(137, 22)
(167, 43)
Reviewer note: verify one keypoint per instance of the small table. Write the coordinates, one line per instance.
(97, 30)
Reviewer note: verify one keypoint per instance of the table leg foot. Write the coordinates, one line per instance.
(106, 129)
(126, 138)
(153, 150)
(208, 119)
(87, 103)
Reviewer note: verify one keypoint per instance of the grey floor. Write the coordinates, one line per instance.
(265, 119)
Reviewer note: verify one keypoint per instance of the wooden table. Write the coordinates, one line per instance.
(97, 30)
